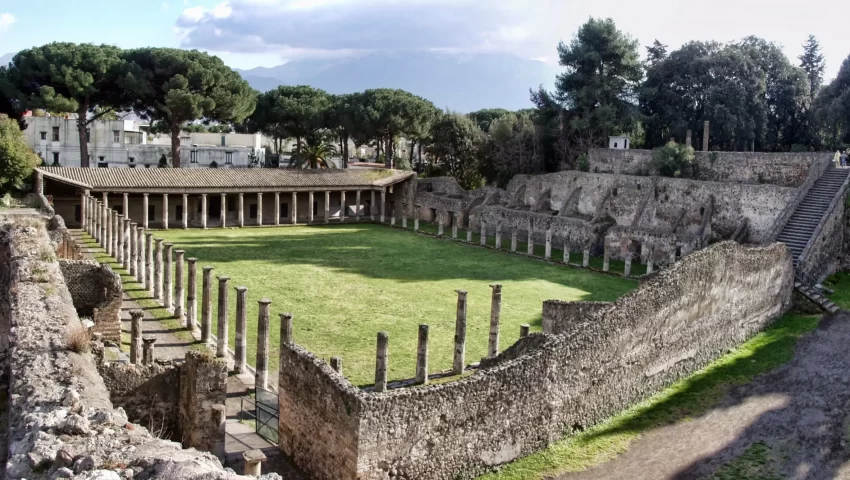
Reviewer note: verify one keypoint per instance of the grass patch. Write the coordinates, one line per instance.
(756, 463)
(344, 283)
(686, 398)
(840, 284)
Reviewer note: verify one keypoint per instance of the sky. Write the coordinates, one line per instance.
(250, 33)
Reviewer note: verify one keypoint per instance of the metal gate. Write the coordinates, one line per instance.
(268, 417)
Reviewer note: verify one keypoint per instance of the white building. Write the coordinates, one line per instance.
(124, 143)
(618, 142)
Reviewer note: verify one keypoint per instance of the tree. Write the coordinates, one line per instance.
(602, 72)
(674, 160)
(455, 148)
(485, 118)
(388, 113)
(314, 155)
(655, 53)
(69, 77)
(292, 112)
(341, 119)
(832, 109)
(176, 86)
(813, 63)
(512, 147)
(17, 160)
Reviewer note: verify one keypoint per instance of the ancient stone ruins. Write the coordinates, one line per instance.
(723, 254)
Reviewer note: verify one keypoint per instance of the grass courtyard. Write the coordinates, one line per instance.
(344, 283)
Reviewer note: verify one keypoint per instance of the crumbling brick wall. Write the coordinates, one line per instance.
(676, 322)
(564, 317)
(97, 293)
(203, 383)
(149, 394)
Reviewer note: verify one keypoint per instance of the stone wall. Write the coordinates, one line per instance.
(147, 393)
(782, 169)
(58, 411)
(676, 322)
(823, 254)
(564, 317)
(97, 293)
(203, 383)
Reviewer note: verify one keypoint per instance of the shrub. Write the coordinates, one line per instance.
(674, 160)
(17, 160)
(582, 164)
(78, 339)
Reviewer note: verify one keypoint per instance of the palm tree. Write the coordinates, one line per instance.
(314, 155)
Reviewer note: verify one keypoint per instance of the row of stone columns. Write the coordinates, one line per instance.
(141, 347)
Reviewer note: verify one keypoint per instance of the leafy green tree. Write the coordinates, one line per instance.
(177, 86)
(485, 118)
(388, 113)
(674, 160)
(289, 111)
(655, 53)
(603, 70)
(17, 160)
(69, 77)
(832, 109)
(315, 154)
(341, 119)
(454, 148)
(512, 147)
(813, 63)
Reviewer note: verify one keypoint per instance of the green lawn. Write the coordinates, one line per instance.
(344, 283)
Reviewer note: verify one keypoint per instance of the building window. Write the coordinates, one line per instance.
(193, 156)
(116, 136)
(55, 134)
(78, 213)
(56, 159)
(88, 135)
(284, 210)
(131, 159)
(228, 158)
(151, 212)
(102, 164)
(252, 210)
(615, 144)
(223, 141)
(44, 135)
(132, 138)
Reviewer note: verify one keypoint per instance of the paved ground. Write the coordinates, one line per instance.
(800, 412)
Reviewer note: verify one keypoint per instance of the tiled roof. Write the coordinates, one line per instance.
(250, 179)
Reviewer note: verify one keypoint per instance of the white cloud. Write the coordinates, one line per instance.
(6, 21)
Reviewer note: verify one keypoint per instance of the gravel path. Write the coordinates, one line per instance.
(800, 412)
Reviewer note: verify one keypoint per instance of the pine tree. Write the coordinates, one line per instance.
(813, 63)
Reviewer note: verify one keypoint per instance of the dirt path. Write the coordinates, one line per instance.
(798, 412)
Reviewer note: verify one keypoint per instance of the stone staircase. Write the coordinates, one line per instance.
(817, 297)
(802, 224)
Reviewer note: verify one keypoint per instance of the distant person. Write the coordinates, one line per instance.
(843, 159)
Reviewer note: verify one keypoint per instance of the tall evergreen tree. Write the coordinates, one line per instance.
(813, 63)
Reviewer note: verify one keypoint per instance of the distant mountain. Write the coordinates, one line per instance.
(462, 83)
(5, 59)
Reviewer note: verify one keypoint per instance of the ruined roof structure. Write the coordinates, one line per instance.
(219, 180)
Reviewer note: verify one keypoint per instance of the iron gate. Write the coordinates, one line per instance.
(268, 417)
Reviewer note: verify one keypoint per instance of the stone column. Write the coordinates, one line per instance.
(262, 378)
(310, 201)
(136, 335)
(119, 240)
(627, 268)
(104, 224)
(221, 347)
(606, 260)
(469, 233)
(327, 207)
(566, 252)
(277, 208)
(134, 250)
(204, 211)
(439, 224)
(294, 209)
(96, 234)
(149, 262)
(241, 348)
(285, 329)
(513, 239)
(454, 224)
(650, 264)
(148, 354)
(530, 241)
(404, 215)
(495, 315)
(145, 211)
(336, 364)
(460, 334)
(192, 295)
(206, 306)
(383, 203)
(498, 236)
(672, 259)
(548, 252)
(357, 213)
(482, 234)
(167, 286)
(241, 213)
(84, 224)
(157, 270)
(116, 235)
(260, 209)
(126, 205)
(219, 425)
(381, 360)
(179, 292)
(586, 260)
(342, 207)
(705, 136)
(107, 218)
(186, 211)
(524, 330)
(688, 138)
(222, 215)
(125, 232)
(165, 211)
(253, 462)
(372, 207)
(416, 217)
(140, 249)
(422, 356)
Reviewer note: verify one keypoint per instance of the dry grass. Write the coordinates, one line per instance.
(78, 339)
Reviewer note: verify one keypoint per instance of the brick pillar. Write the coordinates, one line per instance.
(165, 211)
(327, 207)
(705, 136)
(372, 207)
(294, 209)
(241, 213)
(498, 236)
(206, 306)
(241, 347)
(422, 355)
(221, 347)
(148, 355)
(381, 361)
(310, 201)
(513, 239)
(186, 211)
(136, 335)
(145, 211)
(495, 315)
(167, 286)
(149, 262)
(460, 334)
(204, 211)
(140, 249)
(262, 378)
(192, 295)
(357, 213)
(179, 292)
(260, 209)
(157, 270)
(134, 250)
